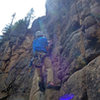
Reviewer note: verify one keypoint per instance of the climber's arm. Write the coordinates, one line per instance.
(46, 44)
(49, 45)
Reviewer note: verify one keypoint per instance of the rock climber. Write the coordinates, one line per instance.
(40, 59)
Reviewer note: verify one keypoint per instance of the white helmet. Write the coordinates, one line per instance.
(39, 33)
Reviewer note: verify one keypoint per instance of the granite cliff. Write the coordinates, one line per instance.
(74, 28)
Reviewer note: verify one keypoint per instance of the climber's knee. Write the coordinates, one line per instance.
(47, 62)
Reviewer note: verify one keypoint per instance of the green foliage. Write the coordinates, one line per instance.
(6, 29)
(1, 40)
(22, 25)
(19, 27)
(29, 17)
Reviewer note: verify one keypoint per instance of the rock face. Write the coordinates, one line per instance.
(14, 75)
(74, 28)
(84, 84)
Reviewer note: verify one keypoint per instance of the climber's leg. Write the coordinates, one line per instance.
(40, 79)
(49, 70)
(38, 62)
(50, 75)
(39, 73)
(38, 65)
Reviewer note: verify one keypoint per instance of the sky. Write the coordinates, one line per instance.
(21, 8)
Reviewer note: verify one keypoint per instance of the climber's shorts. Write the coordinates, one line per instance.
(39, 59)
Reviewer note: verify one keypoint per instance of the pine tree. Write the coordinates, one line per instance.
(7, 28)
(29, 18)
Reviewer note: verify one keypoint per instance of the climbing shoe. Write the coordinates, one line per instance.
(53, 86)
(41, 86)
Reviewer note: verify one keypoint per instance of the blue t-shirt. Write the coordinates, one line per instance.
(40, 44)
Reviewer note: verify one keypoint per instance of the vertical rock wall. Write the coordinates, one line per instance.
(15, 77)
(74, 28)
